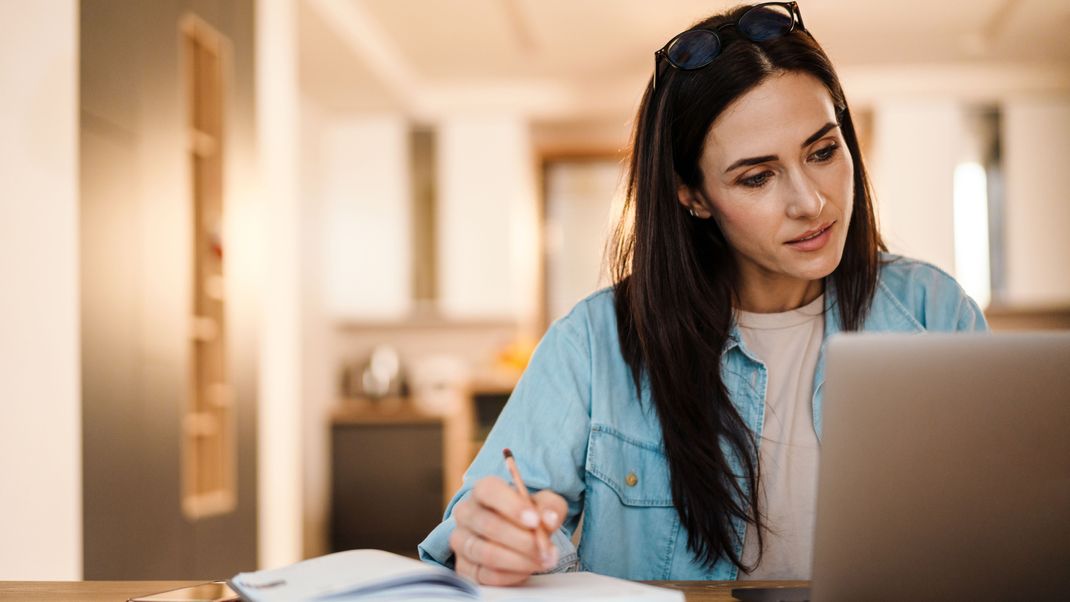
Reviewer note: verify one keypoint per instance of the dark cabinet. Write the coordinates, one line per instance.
(387, 478)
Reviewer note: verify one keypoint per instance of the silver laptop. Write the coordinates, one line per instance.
(945, 469)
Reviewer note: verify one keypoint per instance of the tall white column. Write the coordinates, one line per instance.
(40, 403)
(278, 125)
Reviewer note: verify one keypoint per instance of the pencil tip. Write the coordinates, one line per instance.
(507, 453)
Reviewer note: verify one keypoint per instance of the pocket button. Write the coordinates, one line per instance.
(631, 479)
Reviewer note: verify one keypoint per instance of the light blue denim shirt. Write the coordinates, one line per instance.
(577, 427)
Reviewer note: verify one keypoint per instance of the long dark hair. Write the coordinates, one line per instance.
(675, 280)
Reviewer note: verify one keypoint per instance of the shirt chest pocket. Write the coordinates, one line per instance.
(630, 523)
(637, 472)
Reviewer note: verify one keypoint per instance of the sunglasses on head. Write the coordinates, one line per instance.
(696, 48)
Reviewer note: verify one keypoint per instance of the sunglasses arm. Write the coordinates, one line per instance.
(798, 16)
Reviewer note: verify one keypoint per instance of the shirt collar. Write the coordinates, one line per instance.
(886, 314)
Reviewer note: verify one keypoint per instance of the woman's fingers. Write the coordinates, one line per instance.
(490, 525)
(552, 509)
(501, 497)
(472, 548)
(487, 576)
(511, 533)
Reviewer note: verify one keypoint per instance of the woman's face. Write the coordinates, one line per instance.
(778, 180)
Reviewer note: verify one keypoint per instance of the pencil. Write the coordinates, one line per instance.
(542, 538)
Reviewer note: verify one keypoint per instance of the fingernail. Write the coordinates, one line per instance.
(529, 519)
(550, 519)
(549, 559)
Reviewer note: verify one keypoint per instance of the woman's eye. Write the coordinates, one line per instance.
(757, 180)
(826, 153)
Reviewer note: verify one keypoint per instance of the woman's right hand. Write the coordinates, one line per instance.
(494, 541)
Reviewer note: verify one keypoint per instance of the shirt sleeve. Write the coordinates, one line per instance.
(944, 304)
(546, 424)
(949, 308)
(968, 316)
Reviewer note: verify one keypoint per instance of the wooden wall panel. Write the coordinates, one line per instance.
(136, 243)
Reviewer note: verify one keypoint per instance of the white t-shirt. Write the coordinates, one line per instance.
(788, 344)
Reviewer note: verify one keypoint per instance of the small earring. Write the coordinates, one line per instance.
(691, 211)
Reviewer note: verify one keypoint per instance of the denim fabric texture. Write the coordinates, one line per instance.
(577, 427)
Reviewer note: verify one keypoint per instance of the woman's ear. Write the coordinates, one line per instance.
(693, 201)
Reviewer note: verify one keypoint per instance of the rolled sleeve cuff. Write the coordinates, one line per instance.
(435, 548)
(568, 558)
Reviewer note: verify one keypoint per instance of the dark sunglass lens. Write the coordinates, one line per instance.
(766, 22)
(694, 49)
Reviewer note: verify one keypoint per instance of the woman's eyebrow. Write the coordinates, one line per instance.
(756, 160)
(817, 135)
(751, 161)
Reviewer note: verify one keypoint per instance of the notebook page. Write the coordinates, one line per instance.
(350, 572)
(579, 586)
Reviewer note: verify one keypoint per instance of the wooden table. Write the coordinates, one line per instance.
(120, 591)
(719, 591)
(89, 591)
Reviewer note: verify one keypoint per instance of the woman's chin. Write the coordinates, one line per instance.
(817, 266)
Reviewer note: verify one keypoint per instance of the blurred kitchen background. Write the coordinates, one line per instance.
(268, 270)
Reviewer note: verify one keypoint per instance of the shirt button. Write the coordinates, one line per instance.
(631, 479)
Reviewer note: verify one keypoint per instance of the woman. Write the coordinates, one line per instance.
(657, 408)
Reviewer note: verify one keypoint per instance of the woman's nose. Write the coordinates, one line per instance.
(806, 200)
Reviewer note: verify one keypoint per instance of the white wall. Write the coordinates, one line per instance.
(487, 218)
(1036, 160)
(916, 146)
(581, 197)
(918, 135)
(366, 222)
(40, 412)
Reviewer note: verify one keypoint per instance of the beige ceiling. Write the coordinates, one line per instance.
(590, 57)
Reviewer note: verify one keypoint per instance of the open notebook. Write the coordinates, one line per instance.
(380, 576)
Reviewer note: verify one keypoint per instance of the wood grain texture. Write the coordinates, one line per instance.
(84, 591)
(113, 591)
(719, 591)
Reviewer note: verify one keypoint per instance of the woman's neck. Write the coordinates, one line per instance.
(778, 296)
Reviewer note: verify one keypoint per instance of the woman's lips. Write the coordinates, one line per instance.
(813, 240)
